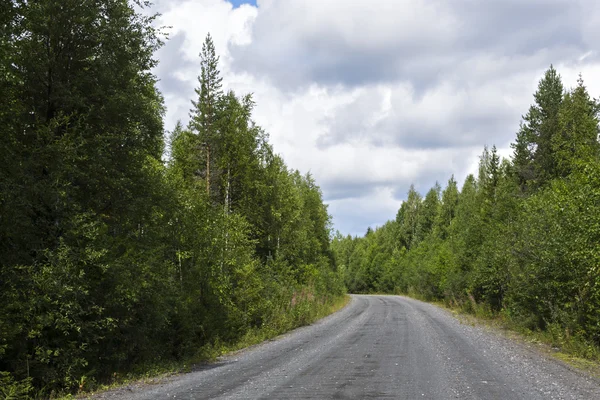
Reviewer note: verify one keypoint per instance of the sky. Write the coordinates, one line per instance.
(237, 3)
(371, 96)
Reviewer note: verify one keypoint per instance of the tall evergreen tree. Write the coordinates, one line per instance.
(534, 159)
(488, 179)
(577, 141)
(205, 114)
(206, 108)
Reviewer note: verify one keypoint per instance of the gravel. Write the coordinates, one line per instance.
(379, 347)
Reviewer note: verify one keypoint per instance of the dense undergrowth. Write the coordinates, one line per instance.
(300, 314)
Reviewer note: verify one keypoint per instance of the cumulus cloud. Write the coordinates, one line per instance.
(371, 96)
(423, 41)
(348, 42)
(447, 116)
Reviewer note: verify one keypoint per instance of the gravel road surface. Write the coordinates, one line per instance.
(379, 347)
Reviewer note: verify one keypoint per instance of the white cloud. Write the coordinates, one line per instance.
(371, 96)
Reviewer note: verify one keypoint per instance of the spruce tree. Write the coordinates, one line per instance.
(205, 114)
(534, 159)
(577, 141)
(206, 108)
(489, 176)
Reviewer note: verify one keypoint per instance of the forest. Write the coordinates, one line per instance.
(519, 240)
(123, 246)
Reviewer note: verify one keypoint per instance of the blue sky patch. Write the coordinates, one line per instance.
(237, 3)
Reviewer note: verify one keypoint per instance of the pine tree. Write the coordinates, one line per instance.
(577, 141)
(489, 177)
(205, 115)
(206, 108)
(533, 158)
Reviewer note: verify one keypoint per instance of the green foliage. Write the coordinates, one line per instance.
(534, 158)
(577, 141)
(206, 108)
(560, 255)
(521, 239)
(111, 259)
(14, 390)
(408, 219)
(447, 210)
(428, 213)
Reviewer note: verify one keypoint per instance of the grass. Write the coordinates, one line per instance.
(310, 311)
(253, 337)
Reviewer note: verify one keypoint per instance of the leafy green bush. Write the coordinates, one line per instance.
(14, 390)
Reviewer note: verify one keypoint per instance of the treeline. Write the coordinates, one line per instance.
(522, 237)
(110, 257)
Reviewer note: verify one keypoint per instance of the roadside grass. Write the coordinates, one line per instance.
(304, 314)
(311, 314)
